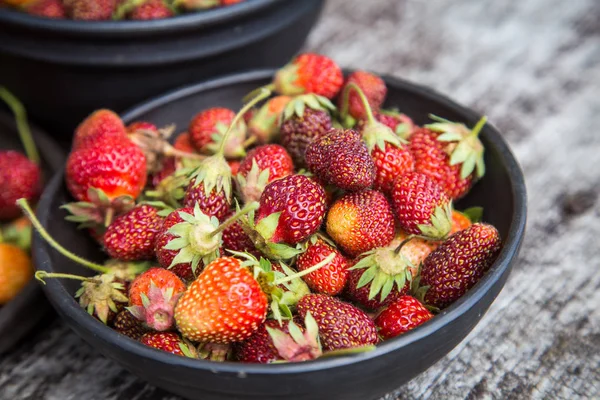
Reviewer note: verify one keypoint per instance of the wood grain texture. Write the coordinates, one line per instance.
(534, 68)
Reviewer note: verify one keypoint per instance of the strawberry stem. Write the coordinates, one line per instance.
(349, 351)
(249, 142)
(479, 126)
(41, 275)
(54, 244)
(22, 124)
(173, 152)
(363, 99)
(300, 274)
(408, 239)
(270, 87)
(231, 220)
(262, 94)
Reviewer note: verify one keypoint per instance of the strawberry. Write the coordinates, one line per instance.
(259, 347)
(215, 204)
(90, 10)
(126, 324)
(371, 85)
(236, 239)
(291, 209)
(183, 142)
(170, 342)
(234, 165)
(151, 9)
(309, 73)
(262, 165)
(46, 8)
(450, 154)
(401, 124)
(100, 125)
(132, 235)
(421, 206)
(463, 220)
(459, 263)
(305, 119)
(264, 124)
(360, 295)
(165, 256)
(329, 279)
(19, 177)
(169, 166)
(341, 325)
(15, 271)
(152, 298)
(341, 158)
(208, 127)
(224, 304)
(402, 315)
(359, 222)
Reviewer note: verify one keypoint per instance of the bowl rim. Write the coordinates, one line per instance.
(192, 21)
(509, 251)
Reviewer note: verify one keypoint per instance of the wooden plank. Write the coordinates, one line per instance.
(534, 68)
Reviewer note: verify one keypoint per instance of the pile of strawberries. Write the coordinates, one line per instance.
(102, 10)
(288, 230)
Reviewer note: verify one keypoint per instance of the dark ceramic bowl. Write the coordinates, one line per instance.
(29, 307)
(62, 70)
(501, 192)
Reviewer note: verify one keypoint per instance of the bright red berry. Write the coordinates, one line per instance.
(329, 279)
(170, 342)
(310, 73)
(402, 315)
(19, 178)
(372, 86)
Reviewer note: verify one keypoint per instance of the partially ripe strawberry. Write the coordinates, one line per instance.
(372, 86)
(224, 304)
(329, 279)
(264, 124)
(402, 315)
(259, 347)
(169, 342)
(421, 206)
(310, 73)
(152, 297)
(262, 165)
(359, 222)
(213, 205)
(166, 256)
(126, 324)
(101, 124)
(90, 10)
(298, 131)
(46, 8)
(183, 142)
(16, 271)
(341, 325)
(208, 127)
(342, 159)
(459, 263)
(19, 178)
(132, 236)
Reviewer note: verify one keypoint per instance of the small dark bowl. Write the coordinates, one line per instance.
(29, 307)
(62, 70)
(501, 192)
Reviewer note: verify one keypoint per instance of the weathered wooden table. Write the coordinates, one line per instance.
(534, 68)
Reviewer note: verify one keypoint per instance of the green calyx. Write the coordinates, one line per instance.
(285, 80)
(374, 133)
(194, 240)
(403, 130)
(99, 212)
(168, 194)
(384, 269)
(297, 345)
(475, 214)
(298, 104)
(16, 234)
(262, 233)
(196, 4)
(215, 351)
(126, 271)
(234, 147)
(253, 184)
(464, 146)
(440, 225)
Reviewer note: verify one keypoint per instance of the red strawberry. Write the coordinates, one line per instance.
(291, 209)
(140, 125)
(341, 325)
(234, 165)
(236, 239)
(132, 236)
(170, 342)
(169, 166)
(46, 8)
(450, 154)
(401, 124)
(341, 158)
(259, 347)
(305, 119)
(390, 163)
(90, 10)
(224, 304)
(421, 206)
(359, 222)
(19, 178)
(329, 279)
(459, 263)
(153, 295)
(372, 86)
(208, 127)
(360, 295)
(215, 204)
(128, 325)
(151, 9)
(100, 125)
(165, 256)
(264, 124)
(262, 165)
(310, 73)
(402, 315)
(183, 142)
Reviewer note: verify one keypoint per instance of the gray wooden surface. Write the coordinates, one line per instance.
(533, 66)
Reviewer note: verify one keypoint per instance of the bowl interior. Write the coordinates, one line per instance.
(501, 192)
